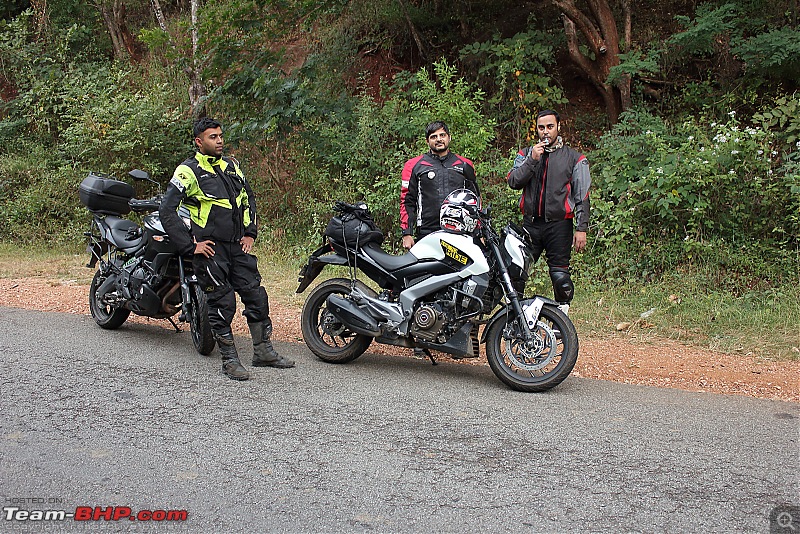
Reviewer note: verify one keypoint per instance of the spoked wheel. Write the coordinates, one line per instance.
(324, 334)
(202, 337)
(108, 317)
(541, 366)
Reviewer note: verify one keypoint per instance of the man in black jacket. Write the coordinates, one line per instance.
(426, 182)
(223, 230)
(555, 182)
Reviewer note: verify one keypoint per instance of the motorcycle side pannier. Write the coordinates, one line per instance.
(105, 195)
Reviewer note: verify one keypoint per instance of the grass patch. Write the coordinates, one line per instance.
(761, 323)
(36, 262)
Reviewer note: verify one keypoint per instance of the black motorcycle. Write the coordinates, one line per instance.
(437, 297)
(139, 269)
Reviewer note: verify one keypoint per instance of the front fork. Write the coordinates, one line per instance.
(524, 322)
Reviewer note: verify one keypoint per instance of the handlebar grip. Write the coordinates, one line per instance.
(145, 205)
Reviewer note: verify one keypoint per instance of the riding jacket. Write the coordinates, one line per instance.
(555, 188)
(426, 182)
(220, 202)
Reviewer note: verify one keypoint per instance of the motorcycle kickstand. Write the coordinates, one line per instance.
(174, 325)
(427, 353)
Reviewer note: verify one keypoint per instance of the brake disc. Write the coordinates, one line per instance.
(532, 358)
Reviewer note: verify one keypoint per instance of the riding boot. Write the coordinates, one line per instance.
(264, 354)
(231, 365)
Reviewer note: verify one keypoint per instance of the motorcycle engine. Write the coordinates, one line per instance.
(437, 320)
(428, 321)
(138, 277)
(134, 275)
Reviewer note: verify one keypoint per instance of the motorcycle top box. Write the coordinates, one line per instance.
(105, 195)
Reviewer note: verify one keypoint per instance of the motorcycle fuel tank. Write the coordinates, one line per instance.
(460, 250)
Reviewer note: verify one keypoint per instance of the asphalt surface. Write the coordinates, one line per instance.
(134, 418)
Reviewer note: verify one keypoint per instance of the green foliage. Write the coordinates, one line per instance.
(48, 77)
(680, 191)
(633, 64)
(701, 33)
(775, 54)
(38, 199)
(12, 8)
(518, 68)
(783, 118)
(116, 130)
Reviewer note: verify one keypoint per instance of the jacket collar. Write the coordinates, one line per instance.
(208, 160)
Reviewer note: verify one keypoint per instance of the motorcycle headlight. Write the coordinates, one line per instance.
(518, 254)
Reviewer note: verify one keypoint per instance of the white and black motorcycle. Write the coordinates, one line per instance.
(437, 296)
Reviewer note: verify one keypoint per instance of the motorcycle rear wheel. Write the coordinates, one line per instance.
(107, 317)
(538, 370)
(202, 336)
(324, 335)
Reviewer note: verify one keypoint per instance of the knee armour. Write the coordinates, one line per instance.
(563, 288)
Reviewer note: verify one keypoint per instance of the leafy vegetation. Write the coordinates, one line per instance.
(697, 185)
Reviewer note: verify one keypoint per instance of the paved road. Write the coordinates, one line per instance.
(134, 418)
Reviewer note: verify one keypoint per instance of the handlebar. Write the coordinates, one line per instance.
(145, 205)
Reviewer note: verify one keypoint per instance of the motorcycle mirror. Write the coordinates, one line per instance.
(138, 174)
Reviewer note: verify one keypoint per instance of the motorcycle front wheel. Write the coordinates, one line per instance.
(540, 367)
(324, 334)
(202, 337)
(108, 317)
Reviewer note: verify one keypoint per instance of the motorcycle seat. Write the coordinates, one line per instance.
(388, 261)
(124, 234)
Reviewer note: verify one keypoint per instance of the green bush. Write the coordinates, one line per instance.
(667, 194)
(517, 68)
(774, 54)
(117, 126)
(39, 199)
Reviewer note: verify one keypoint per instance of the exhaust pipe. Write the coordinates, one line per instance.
(352, 316)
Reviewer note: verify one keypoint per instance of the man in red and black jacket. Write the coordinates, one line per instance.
(427, 180)
(555, 182)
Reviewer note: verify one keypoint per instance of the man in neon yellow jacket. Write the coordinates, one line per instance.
(220, 241)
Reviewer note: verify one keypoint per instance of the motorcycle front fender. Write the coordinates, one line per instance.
(503, 312)
(316, 262)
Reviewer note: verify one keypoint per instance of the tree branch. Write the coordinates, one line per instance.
(414, 33)
(584, 23)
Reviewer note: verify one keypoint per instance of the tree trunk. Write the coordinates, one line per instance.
(197, 91)
(599, 30)
(114, 16)
(159, 13)
(414, 33)
(41, 15)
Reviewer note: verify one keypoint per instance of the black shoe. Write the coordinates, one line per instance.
(264, 354)
(279, 363)
(234, 370)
